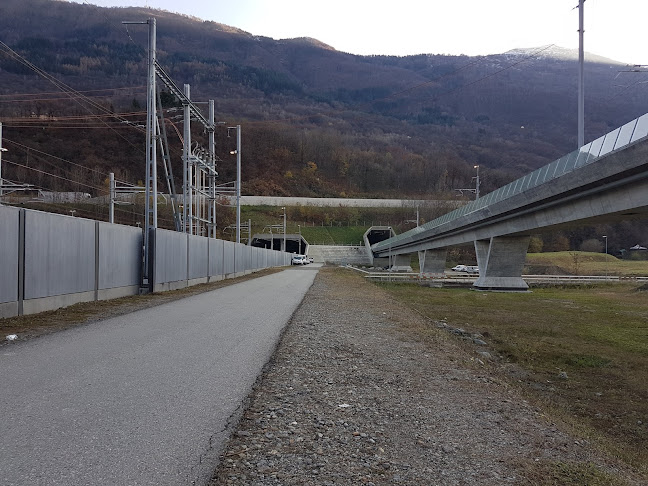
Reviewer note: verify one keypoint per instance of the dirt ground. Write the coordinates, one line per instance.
(364, 391)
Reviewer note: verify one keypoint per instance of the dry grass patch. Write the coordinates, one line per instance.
(582, 353)
(583, 263)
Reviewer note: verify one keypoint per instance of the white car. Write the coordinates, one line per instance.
(298, 260)
(459, 268)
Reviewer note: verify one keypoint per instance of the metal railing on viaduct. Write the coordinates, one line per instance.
(49, 260)
(604, 181)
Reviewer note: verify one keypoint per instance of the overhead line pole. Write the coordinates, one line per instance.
(1, 150)
(238, 183)
(150, 203)
(581, 75)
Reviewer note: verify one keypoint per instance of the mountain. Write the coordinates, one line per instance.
(316, 121)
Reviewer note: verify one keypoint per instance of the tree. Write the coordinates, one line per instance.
(593, 245)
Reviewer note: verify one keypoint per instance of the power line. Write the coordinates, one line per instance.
(59, 84)
(81, 91)
(29, 149)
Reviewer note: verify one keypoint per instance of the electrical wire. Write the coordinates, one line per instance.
(82, 91)
(77, 96)
(36, 187)
(32, 150)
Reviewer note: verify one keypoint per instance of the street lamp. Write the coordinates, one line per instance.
(476, 182)
(300, 243)
(1, 150)
(238, 179)
(284, 228)
(606, 258)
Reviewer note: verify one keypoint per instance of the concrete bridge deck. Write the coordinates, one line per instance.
(605, 180)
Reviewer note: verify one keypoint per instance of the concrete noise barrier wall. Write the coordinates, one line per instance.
(51, 260)
(182, 260)
(48, 261)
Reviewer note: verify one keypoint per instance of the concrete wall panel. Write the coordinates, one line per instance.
(198, 254)
(215, 257)
(229, 248)
(9, 239)
(170, 256)
(240, 254)
(59, 254)
(120, 256)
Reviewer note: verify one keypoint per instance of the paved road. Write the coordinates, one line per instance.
(141, 399)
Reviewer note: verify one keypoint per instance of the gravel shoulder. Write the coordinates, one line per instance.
(362, 390)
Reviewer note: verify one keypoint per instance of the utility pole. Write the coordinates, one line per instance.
(284, 229)
(475, 190)
(606, 256)
(111, 214)
(212, 175)
(187, 195)
(1, 150)
(581, 75)
(238, 183)
(238, 179)
(150, 202)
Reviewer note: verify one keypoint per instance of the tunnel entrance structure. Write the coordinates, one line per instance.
(295, 243)
(376, 234)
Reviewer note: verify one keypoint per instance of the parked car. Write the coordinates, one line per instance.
(310, 259)
(466, 268)
(298, 260)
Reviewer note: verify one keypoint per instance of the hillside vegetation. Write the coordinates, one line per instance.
(315, 121)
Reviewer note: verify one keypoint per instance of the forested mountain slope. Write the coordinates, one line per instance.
(316, 121)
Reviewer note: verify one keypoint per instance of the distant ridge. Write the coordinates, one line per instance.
(561, 54)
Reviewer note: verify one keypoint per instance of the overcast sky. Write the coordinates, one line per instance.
(613, 28)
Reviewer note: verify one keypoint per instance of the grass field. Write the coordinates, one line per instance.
(597, 336)
(584, 263)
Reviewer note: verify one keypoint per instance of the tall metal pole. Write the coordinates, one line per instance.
(581, 76)
(1, 150)
(187, 196)
(476, 183)
(150, 205)
(212, 176)
(284, 229)
(606, 257)
(238, 183)
(111, 182)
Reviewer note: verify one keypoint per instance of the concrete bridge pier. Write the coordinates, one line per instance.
(501, 261)
(432, 262)
(401, 263)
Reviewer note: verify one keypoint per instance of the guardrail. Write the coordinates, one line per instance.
(469, 278)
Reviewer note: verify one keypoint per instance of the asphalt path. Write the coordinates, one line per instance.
(145, 398)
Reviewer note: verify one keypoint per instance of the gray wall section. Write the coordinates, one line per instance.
(120, 256)
(241, 256)
(69, 260)
(9, 239)
(228, 257)
(215, 257)
(59, 255)
(198, 254)
(170, 256)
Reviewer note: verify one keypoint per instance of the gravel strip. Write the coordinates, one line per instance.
(363, 391)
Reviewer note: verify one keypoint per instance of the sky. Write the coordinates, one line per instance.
(613, 28)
